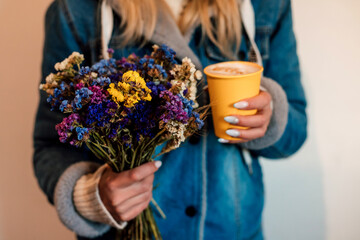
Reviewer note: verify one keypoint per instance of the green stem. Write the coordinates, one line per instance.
(93, 150)
(107, 156)
(155, 138)
(158, 208)
(152, 223)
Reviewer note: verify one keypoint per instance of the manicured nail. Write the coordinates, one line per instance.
(158, 164)
(231, 119)
(233, 133)
(221, 140)
(241, 104)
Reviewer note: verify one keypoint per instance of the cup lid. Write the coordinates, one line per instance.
(256, 69)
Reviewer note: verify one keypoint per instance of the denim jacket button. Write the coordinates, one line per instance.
(194, 139)
(190, 211)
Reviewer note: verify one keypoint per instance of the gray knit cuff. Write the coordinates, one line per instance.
(88, 202)
(278, 120)
(63, 198)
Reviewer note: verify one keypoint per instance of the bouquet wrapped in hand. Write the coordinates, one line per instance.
(123, 109)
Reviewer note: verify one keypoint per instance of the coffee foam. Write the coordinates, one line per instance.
(231, 69)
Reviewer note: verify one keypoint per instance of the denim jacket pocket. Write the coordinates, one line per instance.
(262, 39)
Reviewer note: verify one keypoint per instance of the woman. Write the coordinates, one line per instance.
(208, 188)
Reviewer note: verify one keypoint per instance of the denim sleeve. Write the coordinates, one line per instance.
(283, 67)
(51, 158)
(58, 166)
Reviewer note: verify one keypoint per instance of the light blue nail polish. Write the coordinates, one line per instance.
(241, 105)
(221, 140)
(158, 164)
(231, 119)
(233, 133)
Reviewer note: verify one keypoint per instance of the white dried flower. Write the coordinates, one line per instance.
(192, 92)
(155, 47)
(62, 65)
(177, 130)
(186, 60)
(198, 75)
(50, 78)
(75, 55)
(74, 58)
(182, 85)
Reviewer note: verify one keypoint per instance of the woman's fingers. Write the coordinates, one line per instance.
(127, 178)
(222, 140)
(247, 134)
(132, 202)
(120, 192)
(257, 124)
(243, 135)
(252, 121)
(133, 211)
(260, 101)
(122, 195)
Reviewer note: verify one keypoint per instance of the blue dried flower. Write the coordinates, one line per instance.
(49, 99)
(169, 53)
(63, 105)
(188, 105)
(198, 120)
(57, 92)
(105, 66)
(161, 70)
(80, 132)
(79, 95)
(155, 88)
(102, 81)
(62, 86)
(84, 70)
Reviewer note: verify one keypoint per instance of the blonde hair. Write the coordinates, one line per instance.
(138, 20)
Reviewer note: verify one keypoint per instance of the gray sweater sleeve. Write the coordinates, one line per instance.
(278, 120)
(63, 198)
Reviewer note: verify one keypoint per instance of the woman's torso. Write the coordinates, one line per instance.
(205, 188)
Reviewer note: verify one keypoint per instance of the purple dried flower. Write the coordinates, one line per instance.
(65, 128)
(173, 108)
(98, 95)
(110, 51)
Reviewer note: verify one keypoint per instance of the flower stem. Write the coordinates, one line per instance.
(158, 208)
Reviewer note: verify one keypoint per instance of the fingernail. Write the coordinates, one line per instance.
(221, 140)
(231, 119)
(233, 133)
(241, 104)
(158, 164)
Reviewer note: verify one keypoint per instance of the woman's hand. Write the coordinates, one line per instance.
(257, 123)
(126, 194)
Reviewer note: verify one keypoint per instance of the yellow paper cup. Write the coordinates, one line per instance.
(227, 89)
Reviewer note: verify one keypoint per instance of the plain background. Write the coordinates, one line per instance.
(314, 195)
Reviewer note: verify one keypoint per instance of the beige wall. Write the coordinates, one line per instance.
(316, 194)
(24, 210)
(313, 195)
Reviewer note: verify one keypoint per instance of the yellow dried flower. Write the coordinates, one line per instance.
(131, 90)
(117, 95)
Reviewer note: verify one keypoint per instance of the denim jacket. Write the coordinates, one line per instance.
(206, 189)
